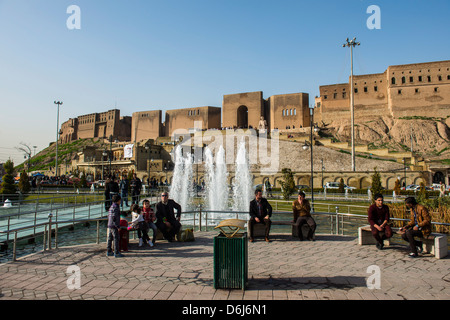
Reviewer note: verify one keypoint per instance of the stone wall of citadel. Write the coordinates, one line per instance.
(401, 91)
(185, 119)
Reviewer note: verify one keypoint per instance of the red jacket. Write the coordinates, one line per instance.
(149, 214)
(378, 215)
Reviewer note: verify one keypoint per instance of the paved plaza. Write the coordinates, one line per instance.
(330, 268)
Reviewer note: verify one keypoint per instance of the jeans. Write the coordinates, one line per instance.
(311, 223)
(409, 236)
(169, 233)
(113, 235)
(124, 196)
(135, 197)
(266, 222)
(376, 234)
(142, 231)
(153, 226)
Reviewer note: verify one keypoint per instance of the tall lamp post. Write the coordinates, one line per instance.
(104, 154)
(150, 162)
(58, 103)
(305, 147)
(351, 44)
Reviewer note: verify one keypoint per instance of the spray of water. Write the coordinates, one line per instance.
(182, 190)
(242, 184)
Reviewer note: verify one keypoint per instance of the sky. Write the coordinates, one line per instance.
(140, 55)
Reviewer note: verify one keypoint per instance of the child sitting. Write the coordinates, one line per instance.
(149, 217)
(139, 223)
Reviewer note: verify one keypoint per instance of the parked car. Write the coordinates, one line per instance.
(100, 183)
(331, 185)
(302, 187)
(335, 185)
(411, 187)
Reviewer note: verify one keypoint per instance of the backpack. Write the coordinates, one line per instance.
(187, 235)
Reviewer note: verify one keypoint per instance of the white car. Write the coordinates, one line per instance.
(335, 185)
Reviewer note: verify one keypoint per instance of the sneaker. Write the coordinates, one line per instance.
(118, 255)
(412, 255)
(267, 239)
(150, 243)
(420, 247)
(109, 254)
(379, 246)
(140, 242)
(251, 239)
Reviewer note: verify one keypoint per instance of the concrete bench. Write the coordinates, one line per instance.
(365, 236)
(435, 243)
(259, 228)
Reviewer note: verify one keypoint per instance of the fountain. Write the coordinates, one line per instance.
(181, 189)
(217, 176)
(216, 196)
(242, 185)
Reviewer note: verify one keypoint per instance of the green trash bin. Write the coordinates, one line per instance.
(231, 261)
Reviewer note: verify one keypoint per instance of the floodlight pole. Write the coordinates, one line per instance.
(352, 43)
(59, 103)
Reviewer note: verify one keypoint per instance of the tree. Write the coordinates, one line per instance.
(83, 181)
(341, 186)
(397, 187)
(8, 186)
(24, 183)
(423, 196)
(287, 183)
(376, 183)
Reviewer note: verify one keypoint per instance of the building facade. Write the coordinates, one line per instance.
(420, 90)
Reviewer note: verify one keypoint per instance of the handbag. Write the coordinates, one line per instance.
(187, 235)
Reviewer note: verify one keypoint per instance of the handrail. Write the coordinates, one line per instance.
(336, 222)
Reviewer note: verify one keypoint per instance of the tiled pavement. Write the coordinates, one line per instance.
(330, 268)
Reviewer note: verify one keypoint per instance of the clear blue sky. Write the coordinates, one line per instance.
(142, 55)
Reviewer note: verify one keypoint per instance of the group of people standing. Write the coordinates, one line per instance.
(113, 187)
(143, 219)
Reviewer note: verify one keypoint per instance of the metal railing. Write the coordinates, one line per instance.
(48, 222)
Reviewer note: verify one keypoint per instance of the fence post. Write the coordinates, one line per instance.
(56, 235)
(337, 219)
(44, 238)
(50, 215)
(200, 219)
(15, 246)
(98, 231)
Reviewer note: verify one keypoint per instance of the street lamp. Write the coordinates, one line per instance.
(104, 154)
(315, 128)
(59, 103)
(351, 44)
(150, 162)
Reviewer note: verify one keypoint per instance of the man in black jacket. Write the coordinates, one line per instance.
(165, 217)
(136, 186)
(260, 212)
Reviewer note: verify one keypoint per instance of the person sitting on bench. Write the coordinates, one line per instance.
(418, 226)
(260, 212)
(166, 221)
(378, 216)
(302, 214)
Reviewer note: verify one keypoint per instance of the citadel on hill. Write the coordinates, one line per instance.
(419, 90)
